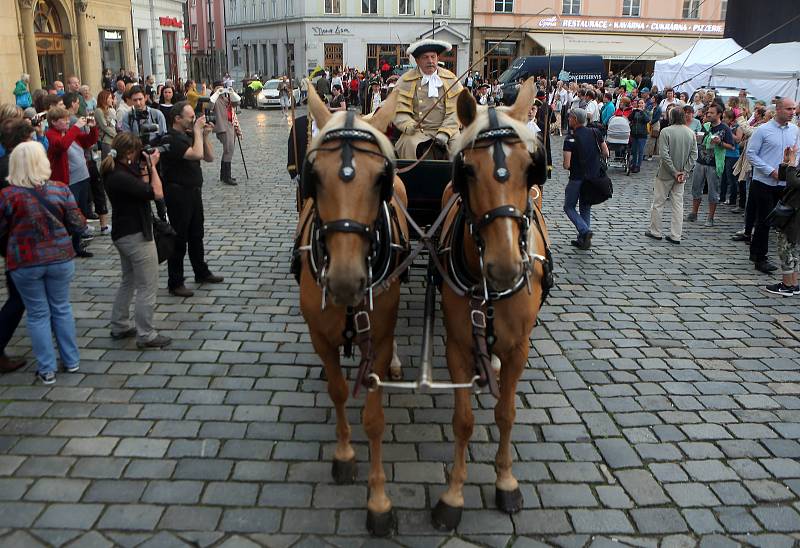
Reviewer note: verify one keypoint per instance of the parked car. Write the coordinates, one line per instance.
(269, 96)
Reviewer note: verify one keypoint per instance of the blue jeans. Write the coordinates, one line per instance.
(637, 152)
(45, 292)
(572, 195)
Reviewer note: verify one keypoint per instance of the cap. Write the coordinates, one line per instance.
(644, 90)
(424, 46)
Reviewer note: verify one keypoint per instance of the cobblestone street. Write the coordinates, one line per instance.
(661, 405)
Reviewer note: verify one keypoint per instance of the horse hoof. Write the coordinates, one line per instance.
(509, 502)
(344, 471)
(380, 525)
(445, 517)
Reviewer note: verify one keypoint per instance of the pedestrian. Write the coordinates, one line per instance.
(74, 86)
(337, 101)
(22, 92)
(284, 97)
(639, 123)
(729, 186)
(583, 148)
(91, 103)
(183, 181)
(324, 87)
(36, 217)
(765, 152)
(146, 122)
(789, 234)
(68, 160)
(166, 100)
(131, 193)
(677, 154)
(715, 140)
(225, 101)
(106, 119)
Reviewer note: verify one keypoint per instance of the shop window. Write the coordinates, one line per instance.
(631, 8)
(571, 7)
(504, 6)
(406, 7)
(691, 9)
(441, 7)
(369, 7)
(333, 7)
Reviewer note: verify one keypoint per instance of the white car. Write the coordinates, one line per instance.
(268, 96)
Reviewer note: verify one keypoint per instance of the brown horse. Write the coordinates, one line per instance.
(496, 244)
(343, 247)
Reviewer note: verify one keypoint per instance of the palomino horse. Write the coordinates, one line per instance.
(496, 249)
(349, 239)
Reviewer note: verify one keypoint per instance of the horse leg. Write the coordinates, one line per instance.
(380, 519)
(447, 514)
(343, 469)
(508, 496)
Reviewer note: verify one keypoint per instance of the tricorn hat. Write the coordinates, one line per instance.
(424, 46)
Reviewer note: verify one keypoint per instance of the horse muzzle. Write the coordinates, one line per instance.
(346, 290)
(502, 276)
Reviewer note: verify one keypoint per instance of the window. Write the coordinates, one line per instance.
(289, 8)
(263, 9)
(571, 7)
(406, 7)
(504, 6)
(332, 7)
(253, 10)
(369, 6)
(194, 31)
(631, 8)
(274, 9)
(691, 9)
(723, 9)
(441, 7)
(235, 56)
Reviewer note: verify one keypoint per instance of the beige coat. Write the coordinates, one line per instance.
(677, 148)
(413, 102)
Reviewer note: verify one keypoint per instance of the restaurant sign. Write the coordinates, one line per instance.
(633, 25)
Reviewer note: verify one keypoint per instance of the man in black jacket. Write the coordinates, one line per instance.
(188, 144)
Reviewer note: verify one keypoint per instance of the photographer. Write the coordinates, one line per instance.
(132, 182)
(225, 127)
(146, 122)
(188, 144)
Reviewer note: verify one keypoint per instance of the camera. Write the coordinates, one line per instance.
(202, 109)
(149, 149)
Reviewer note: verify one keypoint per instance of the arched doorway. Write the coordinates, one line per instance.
(50, 42)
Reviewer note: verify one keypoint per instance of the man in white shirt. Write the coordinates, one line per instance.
(592, 108)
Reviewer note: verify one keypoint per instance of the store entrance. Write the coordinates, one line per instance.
(49, 42)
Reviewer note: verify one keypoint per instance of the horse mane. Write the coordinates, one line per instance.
(468, 134)
(338, 120)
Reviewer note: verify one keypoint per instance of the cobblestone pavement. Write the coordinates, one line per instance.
(660, 406)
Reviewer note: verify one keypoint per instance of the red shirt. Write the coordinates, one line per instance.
(57, 149)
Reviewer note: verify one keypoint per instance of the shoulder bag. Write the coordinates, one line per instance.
(597, 189)
(780, 216)
(164, 236)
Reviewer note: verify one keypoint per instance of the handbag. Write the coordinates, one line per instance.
(780, 216)
(164, 236)
(655, 130)
(598, 189)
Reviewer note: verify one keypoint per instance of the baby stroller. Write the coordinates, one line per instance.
(618, 138)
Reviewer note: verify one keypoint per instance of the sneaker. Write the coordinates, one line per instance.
(710, 221)
(782, 290)
(47, 377)
(159, 341)
(127, 334)
(691, 217)
(72, 368)
(105, 230)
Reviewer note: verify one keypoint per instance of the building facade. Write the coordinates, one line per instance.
(339, 33)
(159, 39)
(629, 34)
(54, 39)
(207, 53)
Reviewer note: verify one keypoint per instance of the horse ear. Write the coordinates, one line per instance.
(318, 109)
(525, 97)
(466, 108)
(384, 116)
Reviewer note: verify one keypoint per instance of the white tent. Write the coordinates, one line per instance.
(695, 63)
(774, 70)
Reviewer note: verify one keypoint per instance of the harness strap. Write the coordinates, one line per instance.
(498, 154)
(363, 339)
(480, 350)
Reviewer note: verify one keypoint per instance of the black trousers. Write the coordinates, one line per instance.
(10, 314)
(98, 194)
(764, 198)
(185, 210)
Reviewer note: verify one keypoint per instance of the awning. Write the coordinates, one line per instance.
(613, 46)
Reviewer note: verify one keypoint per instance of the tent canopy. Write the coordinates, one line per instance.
(774, 70)
(695, 62)
(611, 46)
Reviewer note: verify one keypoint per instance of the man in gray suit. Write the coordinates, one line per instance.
(677, 146)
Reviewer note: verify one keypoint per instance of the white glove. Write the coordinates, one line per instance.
(442, 138)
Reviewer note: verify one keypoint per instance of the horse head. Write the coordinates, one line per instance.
(349, 172)
(498, 160)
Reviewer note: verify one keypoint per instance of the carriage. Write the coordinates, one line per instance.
(359, 231)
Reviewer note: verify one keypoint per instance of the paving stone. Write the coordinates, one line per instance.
(115, 491)
(658, 520)
(566, 495)
(19, 514)
(737, 519)
(778, 518)
(230, 494)
(173, 492)
(541, 522)
(600, 521)
(190, 518)
(57, 490)
(617, 453)
(70, 516)
(642, 487)
(130, 516)
(702, 521)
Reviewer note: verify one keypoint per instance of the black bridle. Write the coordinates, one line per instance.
(347, 137)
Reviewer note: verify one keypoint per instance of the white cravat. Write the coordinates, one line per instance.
(434, 83)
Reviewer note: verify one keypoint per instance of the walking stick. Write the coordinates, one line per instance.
(239, 140)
